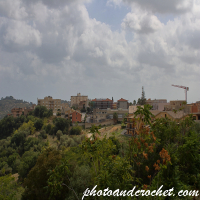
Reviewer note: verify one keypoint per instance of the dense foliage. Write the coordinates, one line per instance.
(163, 153)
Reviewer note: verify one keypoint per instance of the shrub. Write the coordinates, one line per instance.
(75, 130)
(59, 134)
(48, 128)
(43, 134)
(38, 124)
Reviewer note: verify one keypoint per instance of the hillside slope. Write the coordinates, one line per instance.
(7, 103)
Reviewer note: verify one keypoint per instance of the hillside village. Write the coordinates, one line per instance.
(85, 142)
(81, 109)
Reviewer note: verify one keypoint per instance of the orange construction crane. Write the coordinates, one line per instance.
(185, 88)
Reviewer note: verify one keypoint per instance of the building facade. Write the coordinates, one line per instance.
(17, 112)
(101, 103)
(100, 115)
(179, 105)
(75, 100)
(157, 104)
(50, 103)
(76, 117)
(122, 103)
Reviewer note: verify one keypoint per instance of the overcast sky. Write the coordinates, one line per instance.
(100, 48)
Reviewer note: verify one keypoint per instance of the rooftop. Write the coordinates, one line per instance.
(101, 99)
(122, 99)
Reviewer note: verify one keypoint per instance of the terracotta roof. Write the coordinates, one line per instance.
(101, 99)
(76, 112)
(122, 99)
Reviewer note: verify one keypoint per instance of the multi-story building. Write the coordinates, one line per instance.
(75, 100)
(130, 126)
(196, 107)
(100, 115)
(101, 103)
(82, 105)
(64, 107)
(50, 103)
(157, 104)
(175, 116)
(196, 110)
(29, 109)
(122, 103)
(73, 115)
(17, 112)
(179, 105)
(76, 117)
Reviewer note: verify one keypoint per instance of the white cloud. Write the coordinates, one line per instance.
(164, 7)
(19, 34)
(56, 48)
(13, 9)
(141, 21)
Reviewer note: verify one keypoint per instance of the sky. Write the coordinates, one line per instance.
(103, 49)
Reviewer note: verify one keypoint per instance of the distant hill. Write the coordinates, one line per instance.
(9, 102)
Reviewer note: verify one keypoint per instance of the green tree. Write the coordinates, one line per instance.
(9, 189)
(42, 111)
(19, 138)
(142, 100)
(144, 114)
(36, 181)
(61, 124)
(59, 134)
(58, 112)
(38, 124)
(75, 130)
(28, 161)
(115, 117)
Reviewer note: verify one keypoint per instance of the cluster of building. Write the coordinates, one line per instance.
(101, 110)
(174, 110)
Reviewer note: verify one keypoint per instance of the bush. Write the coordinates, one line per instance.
(19, 138)
(36, 180)
(75, 130)
(28, 161)
(59, 134)
(48, 128)
(61, 124)
(38, 124)
(43, 134)
(42, 111)
(123, 125)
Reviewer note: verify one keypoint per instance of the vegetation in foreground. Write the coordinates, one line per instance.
(55, 162)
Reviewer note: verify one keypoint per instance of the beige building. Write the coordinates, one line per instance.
(179, 105)
(157, 104)
(100, 115)
(132, 109)
(122, 103)
(75, 100)
(50, 103)
(64, 107)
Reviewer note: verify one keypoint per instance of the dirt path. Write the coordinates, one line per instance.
(106, 130)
